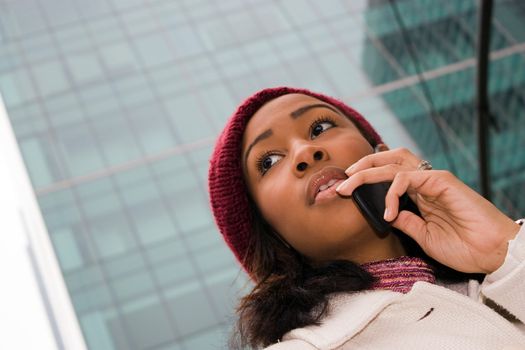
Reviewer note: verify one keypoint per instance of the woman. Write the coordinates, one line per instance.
(280, 188)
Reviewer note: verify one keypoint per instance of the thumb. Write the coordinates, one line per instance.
(411, 224)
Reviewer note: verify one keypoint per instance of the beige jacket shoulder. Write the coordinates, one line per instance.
(428, 317)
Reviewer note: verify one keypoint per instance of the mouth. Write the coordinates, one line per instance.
(321, 186)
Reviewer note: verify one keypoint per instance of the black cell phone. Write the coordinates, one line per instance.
(370, 199)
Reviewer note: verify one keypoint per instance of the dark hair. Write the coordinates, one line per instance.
(292, 292)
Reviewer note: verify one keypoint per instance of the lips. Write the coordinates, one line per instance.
(322, 184)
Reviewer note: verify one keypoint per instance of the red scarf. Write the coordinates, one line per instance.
(399, 274)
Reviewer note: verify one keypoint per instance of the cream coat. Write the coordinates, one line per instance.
(429, 317)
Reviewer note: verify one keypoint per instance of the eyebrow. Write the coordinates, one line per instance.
(294, 115)
(300, 111)
(261, 137)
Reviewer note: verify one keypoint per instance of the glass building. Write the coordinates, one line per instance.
(115, 105)
(435, 49)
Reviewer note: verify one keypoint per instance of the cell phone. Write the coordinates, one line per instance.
(370, 199)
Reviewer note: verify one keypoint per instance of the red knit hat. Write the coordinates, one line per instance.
(228, 191)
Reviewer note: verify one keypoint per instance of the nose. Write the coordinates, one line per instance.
(306, 156)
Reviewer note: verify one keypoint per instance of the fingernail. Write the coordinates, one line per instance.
(341, 186)
(350, 169)
(386, 215)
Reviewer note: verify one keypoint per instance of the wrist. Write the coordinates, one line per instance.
(497, 258)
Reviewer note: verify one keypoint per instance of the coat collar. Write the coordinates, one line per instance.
(347, 315)
(350, 313)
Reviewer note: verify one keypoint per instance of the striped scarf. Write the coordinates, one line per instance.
(399, 274)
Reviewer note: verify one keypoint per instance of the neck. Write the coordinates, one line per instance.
(377, 248)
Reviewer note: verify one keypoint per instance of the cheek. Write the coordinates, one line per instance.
(352, 149)
(279, 203)
(282, 204)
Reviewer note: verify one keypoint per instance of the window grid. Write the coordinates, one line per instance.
(83, 101)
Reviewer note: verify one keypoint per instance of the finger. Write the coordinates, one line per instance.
(398, 187)
(400, 156)
(429, 183)
(371, 175)
(413, 225)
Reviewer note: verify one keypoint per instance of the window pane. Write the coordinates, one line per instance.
(50, 78)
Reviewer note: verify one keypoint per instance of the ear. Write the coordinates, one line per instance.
(380, 147)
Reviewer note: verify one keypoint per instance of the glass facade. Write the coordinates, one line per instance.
(440, 112)
(116, 104)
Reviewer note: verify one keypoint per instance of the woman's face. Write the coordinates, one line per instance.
(295, 151)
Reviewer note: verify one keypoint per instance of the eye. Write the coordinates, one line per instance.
(266, 161)
(320, 126)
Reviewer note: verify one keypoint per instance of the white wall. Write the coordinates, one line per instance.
(24, 321)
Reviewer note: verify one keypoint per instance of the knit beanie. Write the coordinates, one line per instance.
(227, 188)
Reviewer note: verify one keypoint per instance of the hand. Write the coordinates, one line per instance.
(457, 227)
